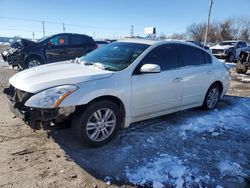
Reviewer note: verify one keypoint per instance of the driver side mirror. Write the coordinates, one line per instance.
(150, 68)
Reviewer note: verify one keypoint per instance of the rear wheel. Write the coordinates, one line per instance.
(98, 123)
(212, 97)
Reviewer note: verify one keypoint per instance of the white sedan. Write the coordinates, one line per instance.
(118, 84)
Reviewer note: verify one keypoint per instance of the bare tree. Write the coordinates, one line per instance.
(226, 30)
(162, 36)
(178, 36)
(197, 31)
(229, 29)
(213, 33)
(242, 26)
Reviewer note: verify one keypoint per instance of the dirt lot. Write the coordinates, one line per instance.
(55, 159)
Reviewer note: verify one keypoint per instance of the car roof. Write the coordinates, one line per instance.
(140, 41)
(74, 34)
(156, 41)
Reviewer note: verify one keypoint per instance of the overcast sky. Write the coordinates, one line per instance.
(108, 18)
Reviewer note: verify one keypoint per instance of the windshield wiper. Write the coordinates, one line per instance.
(111, 68)
(86, 62)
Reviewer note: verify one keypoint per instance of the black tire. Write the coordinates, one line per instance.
(84, 116)
(230, 58)
(33, 62)
(207, 100)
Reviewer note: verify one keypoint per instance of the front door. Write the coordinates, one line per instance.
(56, 48)
(157, 92)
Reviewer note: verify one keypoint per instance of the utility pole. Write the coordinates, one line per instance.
(33, 36)
(64, 28)
(43, 29)
(208, 20)
(132, 31)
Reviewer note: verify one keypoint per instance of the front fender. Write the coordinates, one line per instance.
(91, 90)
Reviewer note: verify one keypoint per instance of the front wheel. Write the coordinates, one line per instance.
(33, 62)
(98, 123)
(212, 97)
(230, 58)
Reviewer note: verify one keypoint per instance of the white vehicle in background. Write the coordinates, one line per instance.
(118, 84)
(229, 50)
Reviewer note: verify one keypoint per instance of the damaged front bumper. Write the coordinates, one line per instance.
(16, 100)
(13, 56)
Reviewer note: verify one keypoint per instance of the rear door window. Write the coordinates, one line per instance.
(207, 57)
(242, 45)
(166, 56)
(192, 56)
(79, 40)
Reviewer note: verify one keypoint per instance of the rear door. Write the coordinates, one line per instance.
(157, 92)
(80, 45)
(56, 48)
(197, 70)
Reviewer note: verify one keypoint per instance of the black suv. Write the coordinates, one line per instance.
(65, 46)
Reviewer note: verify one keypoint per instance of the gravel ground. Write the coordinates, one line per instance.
(157, 148)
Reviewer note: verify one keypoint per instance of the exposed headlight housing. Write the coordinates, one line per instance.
(51, 98)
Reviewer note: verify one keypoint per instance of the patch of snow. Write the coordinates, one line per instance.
(218, 186)
(230, 64)
(162, 169)
(228, 168)
(150, 140)
(107, 179)
(245, 80)
(215, 134)
(5, 43)
(214, 121)
(157, 184)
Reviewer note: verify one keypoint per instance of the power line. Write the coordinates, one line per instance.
(28, 20)
(58, 23)
(94, 27)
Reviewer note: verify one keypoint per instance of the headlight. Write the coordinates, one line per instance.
(51, 98)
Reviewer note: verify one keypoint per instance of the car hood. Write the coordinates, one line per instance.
(42, 77)
(224, 47)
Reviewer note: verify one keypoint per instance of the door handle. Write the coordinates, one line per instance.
(177, 80)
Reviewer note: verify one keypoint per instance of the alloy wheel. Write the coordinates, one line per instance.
(34, 63)
(101, 124)
(212, 98)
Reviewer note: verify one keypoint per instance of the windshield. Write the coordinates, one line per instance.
(228, 43)
(42, 39)
(115, 56)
